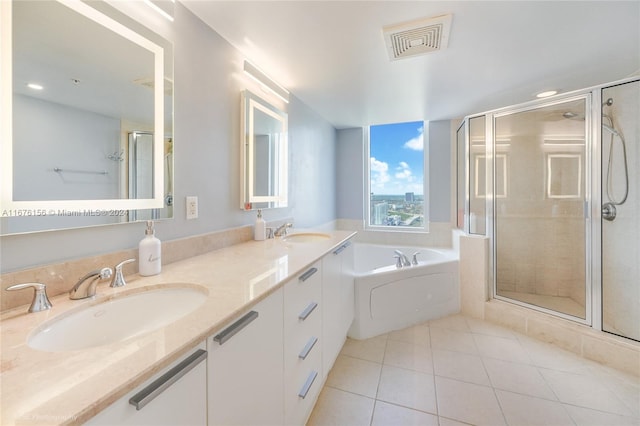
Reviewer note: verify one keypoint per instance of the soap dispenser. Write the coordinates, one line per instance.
(259, 232)
(149, 253)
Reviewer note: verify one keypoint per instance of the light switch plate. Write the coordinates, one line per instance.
(192, 207)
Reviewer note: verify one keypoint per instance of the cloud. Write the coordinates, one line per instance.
(379, 172)
(417, 143)
(403, 171)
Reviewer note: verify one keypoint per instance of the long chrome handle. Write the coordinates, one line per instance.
(307, 311)
(149, 393)
(307, 385)
(307, 348)
(341, 248)
(234, 328)
(308, 274)
(40, 301)
(118, 277)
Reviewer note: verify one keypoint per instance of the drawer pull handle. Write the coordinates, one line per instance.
(308, 274)
(341, 248)
(307, 385)
(159, 385)
(234, 328)
(307, 348)
(304, 314)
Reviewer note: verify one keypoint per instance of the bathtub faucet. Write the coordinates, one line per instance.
(402, 259)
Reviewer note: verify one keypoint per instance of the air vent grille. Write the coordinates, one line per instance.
(417, 37)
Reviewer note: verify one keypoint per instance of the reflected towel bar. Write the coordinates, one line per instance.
(59, 170)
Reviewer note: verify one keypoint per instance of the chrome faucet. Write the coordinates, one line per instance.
(403, 260)
(118, 276)
(282, 229)
(86, 286)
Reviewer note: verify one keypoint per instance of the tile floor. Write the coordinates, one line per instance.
(459, 371)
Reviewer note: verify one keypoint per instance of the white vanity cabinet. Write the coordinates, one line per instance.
(175, 396)
(245, 367)
(337, 301)
(302, 344)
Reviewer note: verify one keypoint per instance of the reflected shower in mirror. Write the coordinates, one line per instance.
(80, 91)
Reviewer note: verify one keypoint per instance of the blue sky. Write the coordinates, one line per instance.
(396, 158)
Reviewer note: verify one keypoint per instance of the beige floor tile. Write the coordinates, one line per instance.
(450, 422)
(355, 375)
(501, 348)
(370, 349)
(587, 417)
(463, 367)
(468, 402)
(451, 322)
(409, 355)
(339, 408)
(520, 378)
(584, 391)
(418, 334)
(386, 414)
(410, 389)
(553, 357)
(451, 340)
(523, 410)
(477, 326)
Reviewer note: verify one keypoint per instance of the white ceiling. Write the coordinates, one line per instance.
(332, 55)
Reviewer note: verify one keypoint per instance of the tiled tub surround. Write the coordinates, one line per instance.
(71, 387)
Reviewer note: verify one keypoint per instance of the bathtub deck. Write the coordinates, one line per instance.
(458, 370)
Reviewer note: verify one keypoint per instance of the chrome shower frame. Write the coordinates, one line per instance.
(593, 195)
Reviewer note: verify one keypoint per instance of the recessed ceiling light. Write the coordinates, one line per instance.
(34, 86)
(546, 94)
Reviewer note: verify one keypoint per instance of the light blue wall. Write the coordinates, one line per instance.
(208, 83)
(350, 172)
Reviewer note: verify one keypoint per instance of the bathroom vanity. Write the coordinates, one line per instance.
(257, 350)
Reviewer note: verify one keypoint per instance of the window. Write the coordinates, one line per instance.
(396, 177)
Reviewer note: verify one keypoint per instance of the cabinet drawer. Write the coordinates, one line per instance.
(302, 297)
(302, 387)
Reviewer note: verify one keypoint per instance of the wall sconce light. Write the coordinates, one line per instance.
(163, 7)
(253, 72)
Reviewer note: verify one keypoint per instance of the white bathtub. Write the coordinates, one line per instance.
(389, 298)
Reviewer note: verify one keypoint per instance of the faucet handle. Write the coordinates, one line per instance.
(269, 232)
(414, 261)
(40, 300)
(398, 261)
(118, 276)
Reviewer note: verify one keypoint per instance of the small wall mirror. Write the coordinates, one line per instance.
(265, 159)
(89, 110)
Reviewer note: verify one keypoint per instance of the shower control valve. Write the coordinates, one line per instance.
(609, 211)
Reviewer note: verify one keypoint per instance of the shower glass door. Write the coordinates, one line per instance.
(621, 209)
(539, 207)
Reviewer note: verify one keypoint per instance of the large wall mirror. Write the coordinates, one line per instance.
(87, 117)
(265, 160)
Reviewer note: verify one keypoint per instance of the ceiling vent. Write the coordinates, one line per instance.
(417, 37)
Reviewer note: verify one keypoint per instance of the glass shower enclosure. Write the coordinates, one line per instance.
(554, 185)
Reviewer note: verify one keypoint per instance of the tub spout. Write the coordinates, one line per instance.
(402, 259)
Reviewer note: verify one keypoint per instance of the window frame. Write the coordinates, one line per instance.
(368, 226)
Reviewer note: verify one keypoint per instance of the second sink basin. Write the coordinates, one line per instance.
(117, 319)
(305, 237)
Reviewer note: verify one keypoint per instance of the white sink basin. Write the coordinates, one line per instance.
(117, 319)
(305, 237)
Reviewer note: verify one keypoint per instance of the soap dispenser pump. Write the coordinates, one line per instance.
(149, 253)
(259, 232)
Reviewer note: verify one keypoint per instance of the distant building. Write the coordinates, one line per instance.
(379, 213)
(409, 197)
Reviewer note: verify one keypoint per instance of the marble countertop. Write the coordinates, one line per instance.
(39, 388)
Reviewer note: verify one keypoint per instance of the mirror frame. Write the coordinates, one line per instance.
(40, 207)
(250, 201)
